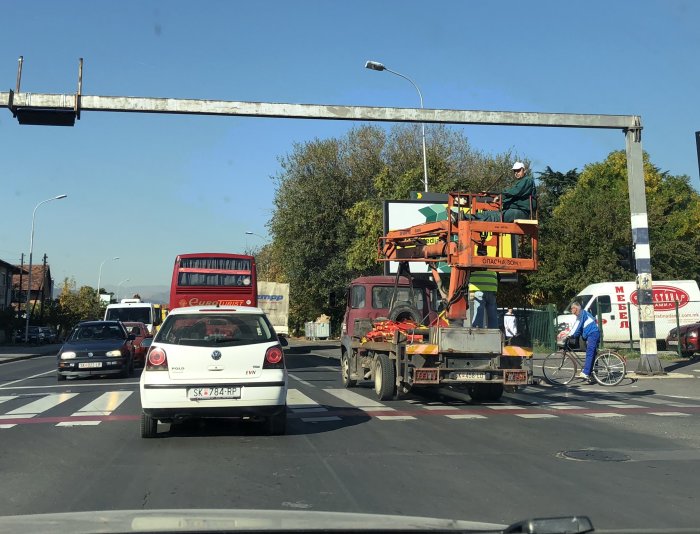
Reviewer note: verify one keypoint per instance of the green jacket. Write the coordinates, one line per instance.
(483, 281)
(518, 195)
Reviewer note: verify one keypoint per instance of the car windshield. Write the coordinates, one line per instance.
(215, 329)
(133, 314)
(96, 332)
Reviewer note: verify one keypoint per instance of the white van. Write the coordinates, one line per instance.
(614, 299)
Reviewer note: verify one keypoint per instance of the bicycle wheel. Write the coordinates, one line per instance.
(609, 368)
(559, 368)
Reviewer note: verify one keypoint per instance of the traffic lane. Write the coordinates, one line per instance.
(496, 469)
(39, 373)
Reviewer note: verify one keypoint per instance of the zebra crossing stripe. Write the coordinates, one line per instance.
(366, 405)
(105, 404)
(300, 403)
(36, 407)
(669, 414)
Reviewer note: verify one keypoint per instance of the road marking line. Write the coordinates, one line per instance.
(300, 380)
(297, 401)
(26, 378)
(505, 407)
(36, 407)
(609, 402)
(357, 400)
(105, 404)
(677, 414)
(604, 414)
(71, 386)
(563, 407)
(320, 419)
(536, 415)
(395, 417)
(434, 407)
(466, 416)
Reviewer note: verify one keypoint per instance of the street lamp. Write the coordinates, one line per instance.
(119, 285)
(258, 235)
(375, 65)
(31, 249)
(99, 276)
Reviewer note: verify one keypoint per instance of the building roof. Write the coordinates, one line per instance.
(38, 277)
(9, 266)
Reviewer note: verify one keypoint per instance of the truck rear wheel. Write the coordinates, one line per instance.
(384, 377)
(486, 392)
(345, 371)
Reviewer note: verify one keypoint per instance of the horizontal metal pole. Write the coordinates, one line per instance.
(131, 104)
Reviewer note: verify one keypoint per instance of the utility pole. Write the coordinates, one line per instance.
(19, 291)
(43, 290)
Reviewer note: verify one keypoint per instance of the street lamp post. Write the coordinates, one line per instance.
(257, 235)
(31, 249)
(375, 65)
(119, 285)
(99, 276)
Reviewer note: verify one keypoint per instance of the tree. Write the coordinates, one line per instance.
(74, 306)
(579, 241)
(328, 203)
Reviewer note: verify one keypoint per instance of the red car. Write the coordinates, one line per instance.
(689, 339)
(140, 330)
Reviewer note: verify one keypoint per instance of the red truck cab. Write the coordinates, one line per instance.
(370, 297)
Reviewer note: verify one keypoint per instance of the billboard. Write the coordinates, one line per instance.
(273, 299)
(400, 214)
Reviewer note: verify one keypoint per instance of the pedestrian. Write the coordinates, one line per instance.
(484, 285)
(585, 327)
(510, 326)
(519, 201)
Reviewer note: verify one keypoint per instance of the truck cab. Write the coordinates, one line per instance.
(369, 298)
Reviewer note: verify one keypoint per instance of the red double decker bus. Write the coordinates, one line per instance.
(209, 279)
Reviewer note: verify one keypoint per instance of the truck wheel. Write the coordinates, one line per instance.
(345, 371)
(403, 312)
(486, 392)
(384, 377)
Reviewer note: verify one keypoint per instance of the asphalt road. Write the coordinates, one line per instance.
(626, 456)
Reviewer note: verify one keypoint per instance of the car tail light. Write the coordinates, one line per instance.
(156, 360)
(274, 358)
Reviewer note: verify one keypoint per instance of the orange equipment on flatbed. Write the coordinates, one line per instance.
(399, 357)
(462, 241)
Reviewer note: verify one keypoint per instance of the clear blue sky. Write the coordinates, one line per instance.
(147, 187)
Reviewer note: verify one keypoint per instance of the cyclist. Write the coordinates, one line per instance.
(585, 327)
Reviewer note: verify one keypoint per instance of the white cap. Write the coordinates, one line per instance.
(518, 165)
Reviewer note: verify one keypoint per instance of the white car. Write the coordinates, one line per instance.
(214, 362)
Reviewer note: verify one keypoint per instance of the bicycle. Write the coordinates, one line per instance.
(560, 367)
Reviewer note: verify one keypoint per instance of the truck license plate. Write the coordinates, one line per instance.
(226, 392)
(514, 376)
(470, 375)
(672, 342)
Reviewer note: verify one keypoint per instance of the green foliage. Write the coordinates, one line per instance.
(581, 231)
(328, 204)
(74, 306)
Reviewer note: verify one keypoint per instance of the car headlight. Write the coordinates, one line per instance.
(113, 353)
(67, 355)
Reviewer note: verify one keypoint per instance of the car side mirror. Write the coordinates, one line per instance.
(131, 337)
(283, 340)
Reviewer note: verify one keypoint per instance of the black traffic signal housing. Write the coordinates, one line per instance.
(625, 258)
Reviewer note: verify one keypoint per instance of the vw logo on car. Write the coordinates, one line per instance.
(216, 355)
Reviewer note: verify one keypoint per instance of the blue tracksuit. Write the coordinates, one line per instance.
(586, 327)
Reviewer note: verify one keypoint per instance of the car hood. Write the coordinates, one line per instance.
(228, 520)
(93, 344)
